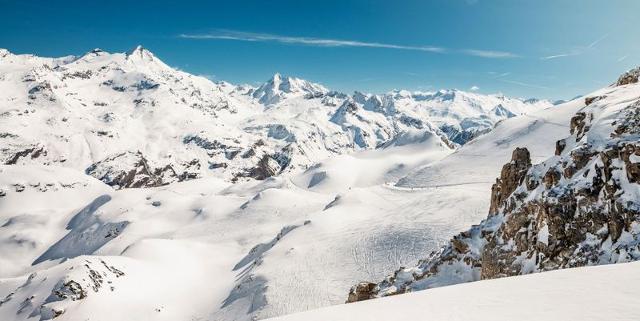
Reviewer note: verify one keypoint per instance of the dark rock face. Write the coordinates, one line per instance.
(32, 152)
(590, 100)
(577, 123)
(362, 291)
(560, 145)
(264, 169)
(576, 209)
(511, 176)
(630, 77)
(133, 170)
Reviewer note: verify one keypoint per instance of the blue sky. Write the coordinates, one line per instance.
(528, 48)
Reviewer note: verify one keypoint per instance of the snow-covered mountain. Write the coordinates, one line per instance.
(280, 88)
(580, 207)
(371, 183)
(130, 120)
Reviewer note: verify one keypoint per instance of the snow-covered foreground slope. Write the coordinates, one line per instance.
(580, 207)
(607, 292)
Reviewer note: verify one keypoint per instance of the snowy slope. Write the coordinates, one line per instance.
(579, 207)
(359, 228)
(575, 294)
(371, 183)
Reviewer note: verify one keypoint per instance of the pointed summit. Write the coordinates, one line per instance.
(4, 52)
(141, 53)
(280, 87)
(141, 56)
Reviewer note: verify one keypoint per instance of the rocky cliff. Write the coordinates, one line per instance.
(580, 207)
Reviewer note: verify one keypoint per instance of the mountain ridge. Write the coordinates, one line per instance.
(288, 122)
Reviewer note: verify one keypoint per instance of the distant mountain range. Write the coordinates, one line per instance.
(130, 120)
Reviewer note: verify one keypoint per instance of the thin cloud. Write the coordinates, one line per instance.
(621, 59)
(561, 55)
(579, 51)
(320, 42)
(474, 88)
(519, 83)
(497, 75)
(489, 53)
(597, 41)
(263, 37)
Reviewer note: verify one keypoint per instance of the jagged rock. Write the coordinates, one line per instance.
(511, 176)
(133, 170)
(361, 291)
(590, 217)
(551, 178)
(32, 152)
(630, 77)
(265, 168)
(560, 145)
(71, 290)
(577, 123)
(589, 100)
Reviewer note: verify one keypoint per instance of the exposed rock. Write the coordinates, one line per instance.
(133, 170)
(265, 168)
(560, 145)
(630, 77)
(589, 100)
(361, 291)
(32, 152)
(577, 124)
(511, 176)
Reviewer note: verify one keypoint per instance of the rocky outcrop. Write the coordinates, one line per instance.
(266, 167)
(31, 152)
(133, 170)
(630, 77)
(362, 291)
(511, 176)
(580, 207)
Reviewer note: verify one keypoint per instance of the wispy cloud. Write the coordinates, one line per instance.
(597, 41)
(578, 51)
(263, 37)
(621, 59)
(496, 75)
(489, 53)
(321, 42)
(474, 88)
(519, 83)
(562, 55)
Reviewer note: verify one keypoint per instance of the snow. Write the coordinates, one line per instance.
(607, 292)
(373, 182)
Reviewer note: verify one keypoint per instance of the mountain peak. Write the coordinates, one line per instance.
(4, 52)
(280, 86)
(96, 51)
(140, 52)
